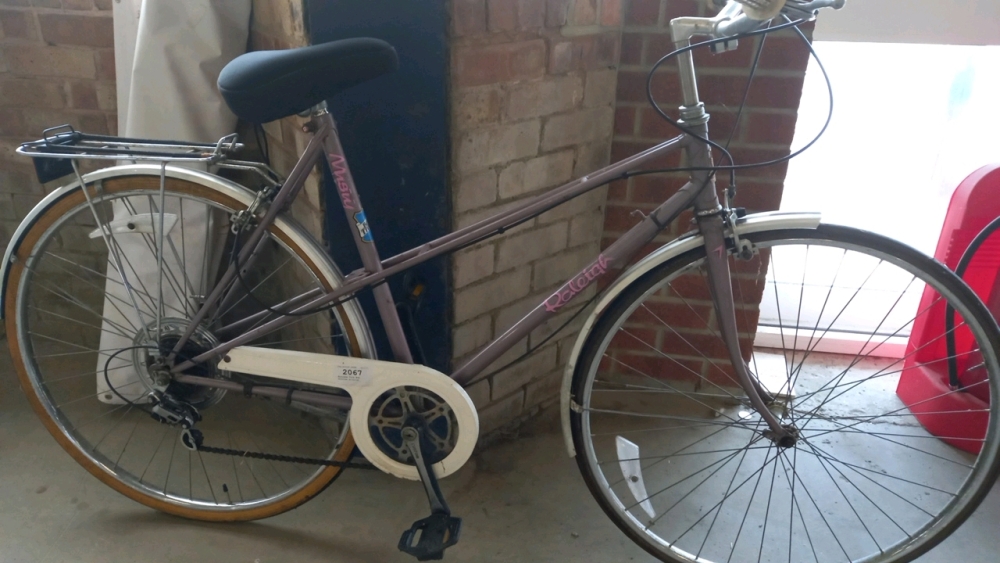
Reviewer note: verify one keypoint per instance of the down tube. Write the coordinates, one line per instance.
(615, 256)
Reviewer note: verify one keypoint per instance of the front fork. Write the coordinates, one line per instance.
(709, 216)
(720, 282)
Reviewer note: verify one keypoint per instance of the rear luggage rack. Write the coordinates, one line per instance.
(59, 146)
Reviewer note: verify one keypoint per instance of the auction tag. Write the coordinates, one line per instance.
(355, 375)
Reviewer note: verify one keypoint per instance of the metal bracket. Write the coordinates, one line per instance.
(246, 219)
(745, 250)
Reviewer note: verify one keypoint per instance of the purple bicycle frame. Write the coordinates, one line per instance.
(698, 193)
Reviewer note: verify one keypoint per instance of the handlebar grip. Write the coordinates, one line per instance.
(762, 10)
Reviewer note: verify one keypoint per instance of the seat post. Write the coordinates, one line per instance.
(364, 240)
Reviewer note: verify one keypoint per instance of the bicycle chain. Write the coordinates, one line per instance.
(199, 447)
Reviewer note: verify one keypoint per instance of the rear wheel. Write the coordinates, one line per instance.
(674, 453)
(80, 339)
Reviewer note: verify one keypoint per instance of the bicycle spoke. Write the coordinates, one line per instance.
(817, 451)
(153, 249)
(690, 345)
(880, 374)
(236, 477)
(794, 505)
(718, 506)
(725, 460)
(125, 447)
(253, 474)
(667, 386)
(729, 487)
(753, 494)
(836, 538)
(657, 429)
(726, 450)
(74, 321)
(892, 442)
(767, 510)
(75, 302)
(163, 436)
(186, 287)
(858, 356)
(819, 317)
(700, 318)
(61, 341)
(85, 374)
(876, 374)
(107, 234)
(110, 297)
(110, 430)
(208, 479)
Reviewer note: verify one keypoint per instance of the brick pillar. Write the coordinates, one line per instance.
(764, 133)
(533, 91)
(765, 130)
(57, 65)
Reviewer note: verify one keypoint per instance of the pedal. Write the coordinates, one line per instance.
(429, 537)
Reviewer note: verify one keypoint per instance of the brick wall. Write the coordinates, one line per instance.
(765, 132)
(532, 96)
(57, 66)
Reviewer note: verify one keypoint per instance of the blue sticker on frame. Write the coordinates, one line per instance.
(362, 223)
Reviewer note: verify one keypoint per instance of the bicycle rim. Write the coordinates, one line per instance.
(72, 315)
(675, 455)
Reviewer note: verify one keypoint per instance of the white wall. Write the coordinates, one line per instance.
(952, 22)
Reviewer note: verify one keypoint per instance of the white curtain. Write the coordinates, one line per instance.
(168, 55)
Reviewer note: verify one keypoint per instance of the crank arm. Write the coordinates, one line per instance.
(429, 537)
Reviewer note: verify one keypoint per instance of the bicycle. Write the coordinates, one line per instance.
(680, 399)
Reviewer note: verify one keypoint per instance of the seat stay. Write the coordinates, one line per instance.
(293, 184)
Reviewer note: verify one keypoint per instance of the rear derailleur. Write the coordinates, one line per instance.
(173, 412)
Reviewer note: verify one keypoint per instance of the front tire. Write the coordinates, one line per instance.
(670, 448)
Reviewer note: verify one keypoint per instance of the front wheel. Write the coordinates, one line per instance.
(674, 453)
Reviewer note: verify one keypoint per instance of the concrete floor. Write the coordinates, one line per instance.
(521, 501)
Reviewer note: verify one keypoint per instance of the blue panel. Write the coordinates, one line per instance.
(395, 134)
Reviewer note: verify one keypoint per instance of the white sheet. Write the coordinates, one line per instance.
(168, 56)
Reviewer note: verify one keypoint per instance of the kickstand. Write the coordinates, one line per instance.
(429, 537)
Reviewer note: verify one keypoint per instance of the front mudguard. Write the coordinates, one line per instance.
(758, 222)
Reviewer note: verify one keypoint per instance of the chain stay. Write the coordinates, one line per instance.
(196, 445)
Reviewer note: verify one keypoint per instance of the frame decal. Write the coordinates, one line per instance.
(361, 222)
(339, 166)
(574, 286)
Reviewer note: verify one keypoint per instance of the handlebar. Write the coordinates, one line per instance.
(742, 16)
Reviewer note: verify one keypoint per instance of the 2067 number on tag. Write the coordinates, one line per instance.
(356, 375)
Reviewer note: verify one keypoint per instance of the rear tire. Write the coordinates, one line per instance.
(60, 311)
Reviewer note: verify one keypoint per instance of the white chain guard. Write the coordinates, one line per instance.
(365, 380)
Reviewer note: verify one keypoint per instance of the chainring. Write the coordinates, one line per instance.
(387, 413)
